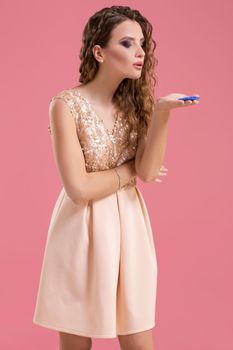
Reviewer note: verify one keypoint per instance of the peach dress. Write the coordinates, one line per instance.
(99, 272)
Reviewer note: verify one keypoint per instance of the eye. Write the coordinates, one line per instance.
(126, 43)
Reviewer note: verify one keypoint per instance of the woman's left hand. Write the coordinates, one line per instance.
(170, 101)
(164, 105)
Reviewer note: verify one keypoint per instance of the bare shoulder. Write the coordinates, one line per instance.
(64, 94)
(62, 115)
(64, 101)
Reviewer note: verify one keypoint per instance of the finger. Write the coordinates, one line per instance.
(163, 167)
(165, 170)
(187, 103)
(195, 102)
(160, 173)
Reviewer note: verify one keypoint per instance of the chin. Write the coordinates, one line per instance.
(134, 76)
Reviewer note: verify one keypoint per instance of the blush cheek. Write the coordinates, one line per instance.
(119, 60)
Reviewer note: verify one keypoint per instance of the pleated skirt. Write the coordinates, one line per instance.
(99, 272)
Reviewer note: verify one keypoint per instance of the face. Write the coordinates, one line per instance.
(123, 51)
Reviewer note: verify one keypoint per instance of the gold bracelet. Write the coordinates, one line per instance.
(119, 179)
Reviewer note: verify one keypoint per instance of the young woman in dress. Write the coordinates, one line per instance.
(99, 271)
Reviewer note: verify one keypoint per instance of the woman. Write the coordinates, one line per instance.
(99, 271)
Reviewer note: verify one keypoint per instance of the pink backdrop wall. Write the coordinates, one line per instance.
(191, 210)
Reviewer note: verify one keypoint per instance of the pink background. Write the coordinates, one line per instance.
(190, 210)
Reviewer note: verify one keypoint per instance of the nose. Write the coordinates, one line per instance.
(140, 52)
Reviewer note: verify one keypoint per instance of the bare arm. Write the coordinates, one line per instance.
(151, 149)
(78, 183)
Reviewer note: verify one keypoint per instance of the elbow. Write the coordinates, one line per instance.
(143, 176)
(146, 177)
(77, 194)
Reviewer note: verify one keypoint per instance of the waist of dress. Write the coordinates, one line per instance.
(130, 184)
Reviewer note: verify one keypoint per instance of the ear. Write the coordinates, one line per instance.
(97, 53)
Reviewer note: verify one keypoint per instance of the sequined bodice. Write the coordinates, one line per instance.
(102, 149)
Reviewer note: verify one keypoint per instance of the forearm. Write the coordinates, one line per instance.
(154, 151)
(99, 184)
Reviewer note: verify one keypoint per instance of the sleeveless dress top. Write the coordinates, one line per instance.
(102, 149)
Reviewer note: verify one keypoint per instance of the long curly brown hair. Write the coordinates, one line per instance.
(138, 102)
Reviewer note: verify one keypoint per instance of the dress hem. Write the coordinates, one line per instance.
(86, 334)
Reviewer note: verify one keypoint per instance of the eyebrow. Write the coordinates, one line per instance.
(131, 38)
